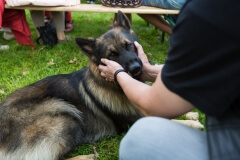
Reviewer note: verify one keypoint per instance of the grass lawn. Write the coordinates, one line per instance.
(20, 66)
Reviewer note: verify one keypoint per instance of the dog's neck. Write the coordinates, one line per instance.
(93, 68)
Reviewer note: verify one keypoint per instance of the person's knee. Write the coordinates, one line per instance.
(152, 137)
(138, 137)
(135, 131)
(130, 141)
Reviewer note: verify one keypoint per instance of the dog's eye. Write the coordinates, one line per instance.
(113, 53)
(129, 46)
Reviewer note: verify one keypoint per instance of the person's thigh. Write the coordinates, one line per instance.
(157, 138)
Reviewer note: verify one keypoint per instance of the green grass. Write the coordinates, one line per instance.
(20, 66)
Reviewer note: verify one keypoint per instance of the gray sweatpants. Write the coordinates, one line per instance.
(154, 138)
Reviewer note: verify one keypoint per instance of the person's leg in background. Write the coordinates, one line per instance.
(157, 21)
(58, 19)
(168, 4)
(158, 138)
(68, 22)
(38, 19)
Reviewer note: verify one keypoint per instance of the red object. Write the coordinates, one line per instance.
(2, 2)
(16, 21)
(68, 16)
(68, 22)
(47, 13)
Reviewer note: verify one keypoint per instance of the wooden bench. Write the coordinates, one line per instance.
(98, 8)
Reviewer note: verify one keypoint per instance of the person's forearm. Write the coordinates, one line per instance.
(133, 89)
(154, 100)
(150, 73)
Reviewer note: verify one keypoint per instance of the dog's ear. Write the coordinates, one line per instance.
(122, 21)
(87, 45)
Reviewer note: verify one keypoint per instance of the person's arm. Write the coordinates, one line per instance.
(155, 100)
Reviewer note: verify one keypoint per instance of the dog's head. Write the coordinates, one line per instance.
(116, 44)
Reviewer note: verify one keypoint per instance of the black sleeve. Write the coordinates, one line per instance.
(203, 64)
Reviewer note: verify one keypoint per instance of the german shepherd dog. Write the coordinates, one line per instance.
(48, 119)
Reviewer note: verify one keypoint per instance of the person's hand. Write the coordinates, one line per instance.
(142, 55)
(108, 70)
(147, 69)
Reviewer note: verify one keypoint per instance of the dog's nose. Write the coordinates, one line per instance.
(135, 68)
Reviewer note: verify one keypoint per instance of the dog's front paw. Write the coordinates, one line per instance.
(190, 123)
(192, 116)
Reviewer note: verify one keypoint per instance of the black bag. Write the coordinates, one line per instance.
(48, 34)
(122, 3)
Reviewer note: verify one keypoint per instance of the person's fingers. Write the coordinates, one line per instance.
(103, 74)
(104, 61)
(136, 44)
(139, 48)
(108, 68)
(101, 68)
(112, 65)
(141, 53)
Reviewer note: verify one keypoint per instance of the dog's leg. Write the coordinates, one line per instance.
(192, 116)
(190, 123)
(83, 157)
(192, 120)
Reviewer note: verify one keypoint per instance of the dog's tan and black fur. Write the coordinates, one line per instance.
(48, 119)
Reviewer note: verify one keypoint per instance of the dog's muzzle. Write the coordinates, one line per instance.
(135, 69)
